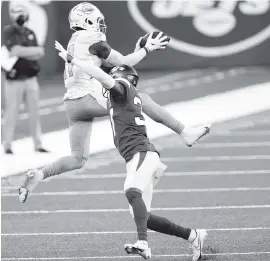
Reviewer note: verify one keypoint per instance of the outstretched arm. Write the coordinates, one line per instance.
(103, 50)
(159, 114)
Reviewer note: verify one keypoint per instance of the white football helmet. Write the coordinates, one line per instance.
(87, 16)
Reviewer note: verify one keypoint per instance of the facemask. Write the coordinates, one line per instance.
(21, 20)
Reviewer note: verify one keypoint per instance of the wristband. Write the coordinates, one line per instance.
(146, 49)
(69, 58)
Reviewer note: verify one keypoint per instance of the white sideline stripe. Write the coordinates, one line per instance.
(243, 102)
(216, 158)
(246, 133)
(122, 232)
(169, 174)
(231, 144)
(112, 192)
(129, 257)
(127, 210)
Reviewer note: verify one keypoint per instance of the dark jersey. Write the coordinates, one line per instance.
(23, 68)
(128, 123)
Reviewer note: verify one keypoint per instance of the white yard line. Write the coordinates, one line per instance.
(244, 133)
(61, 211)
(168, 174)
(156, 191)
(131, 257)
(121, 232)
(215, 158)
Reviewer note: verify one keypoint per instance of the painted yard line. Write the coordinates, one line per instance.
(130, 257)
(232, 144)
(247, 133)
(168, 174)
(121, 232)
(157, 191)
(216, 158)
(59, 211)
(173, 144)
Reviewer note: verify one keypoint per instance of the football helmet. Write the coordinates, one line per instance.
(126, 72)
(87, 16)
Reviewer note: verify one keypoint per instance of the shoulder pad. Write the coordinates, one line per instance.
(85, 37)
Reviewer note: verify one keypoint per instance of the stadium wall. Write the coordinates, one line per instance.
(203, 33)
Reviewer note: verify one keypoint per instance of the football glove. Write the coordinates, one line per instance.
(153, 44)
(63, 53)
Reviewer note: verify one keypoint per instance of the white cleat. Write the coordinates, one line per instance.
(139, 248)
(24, 189)
(192, 135)
(197, 244)
(23, 194)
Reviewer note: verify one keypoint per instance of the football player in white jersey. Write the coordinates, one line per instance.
(84, 100)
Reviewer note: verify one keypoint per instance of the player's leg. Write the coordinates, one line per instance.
(13, 98)
(140, 171)
(80, 113)
(165, 226)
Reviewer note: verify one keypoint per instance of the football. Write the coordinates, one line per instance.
(144, 39)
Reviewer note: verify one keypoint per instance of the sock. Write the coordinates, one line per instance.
(165, 226)
(31, 183)
(173, 124)
(134, 197)
(192, 236)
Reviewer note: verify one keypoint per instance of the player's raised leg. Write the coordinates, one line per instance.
(80, 113)
(190, 134)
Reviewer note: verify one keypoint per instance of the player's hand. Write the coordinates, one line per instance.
(138, 47)
(63, 53)
(153, 44)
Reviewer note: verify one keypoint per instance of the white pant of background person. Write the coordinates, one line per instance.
(146, 177)
(15, 92)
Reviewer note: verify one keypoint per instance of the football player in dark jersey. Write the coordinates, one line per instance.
(143, 164)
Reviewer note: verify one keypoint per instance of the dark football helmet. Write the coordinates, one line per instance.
(126, 72)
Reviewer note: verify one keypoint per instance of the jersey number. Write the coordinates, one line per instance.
(69, 66)
(138, 120)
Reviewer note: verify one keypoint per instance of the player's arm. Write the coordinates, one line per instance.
(103, 50)
(19, 50)
(159, 114)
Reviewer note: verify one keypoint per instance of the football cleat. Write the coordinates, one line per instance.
(192, 135)
(197, 243)
(139, 248)
(32, 178)
(23, 194)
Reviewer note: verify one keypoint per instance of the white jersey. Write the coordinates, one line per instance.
(77, 82)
